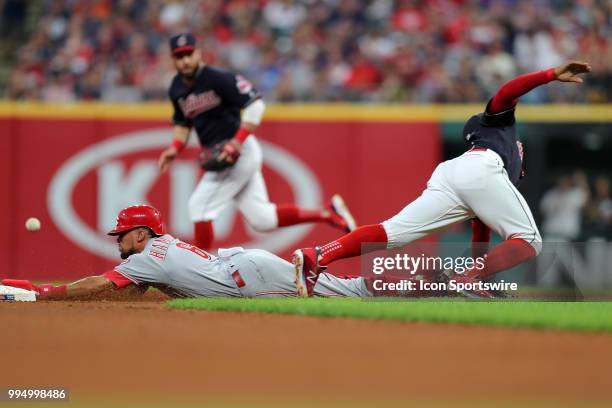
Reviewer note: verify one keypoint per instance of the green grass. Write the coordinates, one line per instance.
(580, 316)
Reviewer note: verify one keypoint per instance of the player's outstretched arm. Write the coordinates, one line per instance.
(88, 287)
(91, 287)
(507, 96)
(569, 72)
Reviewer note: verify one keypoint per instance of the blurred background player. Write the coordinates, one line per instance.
(480, 183)
(178, 269)
(211, 100)
(561, 208)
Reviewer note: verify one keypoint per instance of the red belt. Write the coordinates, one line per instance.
(478, 149)
(238, 279)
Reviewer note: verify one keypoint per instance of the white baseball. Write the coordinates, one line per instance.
(32, 224)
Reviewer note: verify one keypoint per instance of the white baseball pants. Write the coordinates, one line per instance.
(474, 184)
(267, 275)
(242, 184)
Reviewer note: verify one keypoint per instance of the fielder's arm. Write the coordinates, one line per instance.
(250, 121)
(180, 136)
(252, 115)
(507, 96)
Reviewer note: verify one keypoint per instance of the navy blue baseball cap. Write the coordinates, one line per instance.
(184, 42)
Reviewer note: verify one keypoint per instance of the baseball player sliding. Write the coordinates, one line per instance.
(480, 184)
(153, 258)
(211, 100)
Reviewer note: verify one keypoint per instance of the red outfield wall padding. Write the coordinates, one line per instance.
(76, 174)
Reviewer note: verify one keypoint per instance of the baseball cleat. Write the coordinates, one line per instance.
(500, 294)
(471, 293)
(307, 270)
(341, 210)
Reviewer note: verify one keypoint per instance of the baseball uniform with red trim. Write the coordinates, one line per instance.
(184, 270)
(481, 182)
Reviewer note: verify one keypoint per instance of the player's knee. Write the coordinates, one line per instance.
(533, 238)
(261, 216)
(194, 208)
(537, 244)
(193, 201)
(197, 211)
(262, 222)
(392, 238)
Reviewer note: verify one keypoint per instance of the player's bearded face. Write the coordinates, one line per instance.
(187, 63)
(125, 243)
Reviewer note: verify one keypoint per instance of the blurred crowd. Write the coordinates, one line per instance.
(317, 50)
(576, 210)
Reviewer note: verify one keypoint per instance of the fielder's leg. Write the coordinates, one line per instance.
(217, 190)
(263, 215)
(497, 202)
(481, 236)
(434, 210)
(204, 234)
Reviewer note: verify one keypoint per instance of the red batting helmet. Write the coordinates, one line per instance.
(138, 216)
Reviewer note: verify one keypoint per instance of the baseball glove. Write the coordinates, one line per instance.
(219, 157)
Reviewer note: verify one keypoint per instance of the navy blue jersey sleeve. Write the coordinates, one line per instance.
(178, 117)
(234, 90)
(499, 119)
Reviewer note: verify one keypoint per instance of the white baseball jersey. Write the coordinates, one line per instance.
(184, 270)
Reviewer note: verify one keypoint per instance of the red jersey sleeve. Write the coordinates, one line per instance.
(508, 94)
(118, 279)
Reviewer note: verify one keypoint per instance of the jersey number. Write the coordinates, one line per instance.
(194, 249)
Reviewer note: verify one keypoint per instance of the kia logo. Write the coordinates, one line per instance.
(118, 188)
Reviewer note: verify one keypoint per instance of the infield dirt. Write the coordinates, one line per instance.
(144, 348)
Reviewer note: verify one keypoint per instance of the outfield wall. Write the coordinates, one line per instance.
(75, 166)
